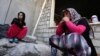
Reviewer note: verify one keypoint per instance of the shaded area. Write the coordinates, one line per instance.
(84, 7)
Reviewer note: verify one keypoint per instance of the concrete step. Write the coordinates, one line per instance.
(96, 35)
(98, 50)
(96, 42)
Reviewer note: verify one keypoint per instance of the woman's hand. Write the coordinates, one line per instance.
(61, 21)
(65, 18)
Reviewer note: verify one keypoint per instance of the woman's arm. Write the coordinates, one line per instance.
(73, 28)
(60, 29)
(17, 22)
(13, 21)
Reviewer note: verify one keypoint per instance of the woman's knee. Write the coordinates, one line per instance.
(12, 32)
(22, 33)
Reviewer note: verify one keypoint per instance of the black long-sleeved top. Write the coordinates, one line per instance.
(17, 22)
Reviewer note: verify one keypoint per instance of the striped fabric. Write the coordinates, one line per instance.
(73, 40)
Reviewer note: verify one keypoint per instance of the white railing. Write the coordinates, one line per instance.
(39, 18)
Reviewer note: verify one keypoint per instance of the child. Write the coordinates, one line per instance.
(18, 29)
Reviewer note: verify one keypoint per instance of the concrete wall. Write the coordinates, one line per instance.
(4, 4)
(30, 7)
(96, 41)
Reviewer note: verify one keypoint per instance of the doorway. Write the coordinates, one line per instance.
(86, 8)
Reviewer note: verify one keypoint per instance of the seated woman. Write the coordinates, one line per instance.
(72, 22)
(18, 29)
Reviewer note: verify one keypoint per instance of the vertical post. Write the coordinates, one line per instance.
(7, 11)
(52, 23)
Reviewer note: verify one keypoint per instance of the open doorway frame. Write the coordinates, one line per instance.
(52, 23)
(85, 7)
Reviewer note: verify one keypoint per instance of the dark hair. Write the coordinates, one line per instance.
(23, 19)
(65, 11)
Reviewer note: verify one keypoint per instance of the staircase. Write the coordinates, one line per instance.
(97, 45)
(96, 41)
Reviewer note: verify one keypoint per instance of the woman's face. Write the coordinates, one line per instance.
(20, 16)
(69, 15)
